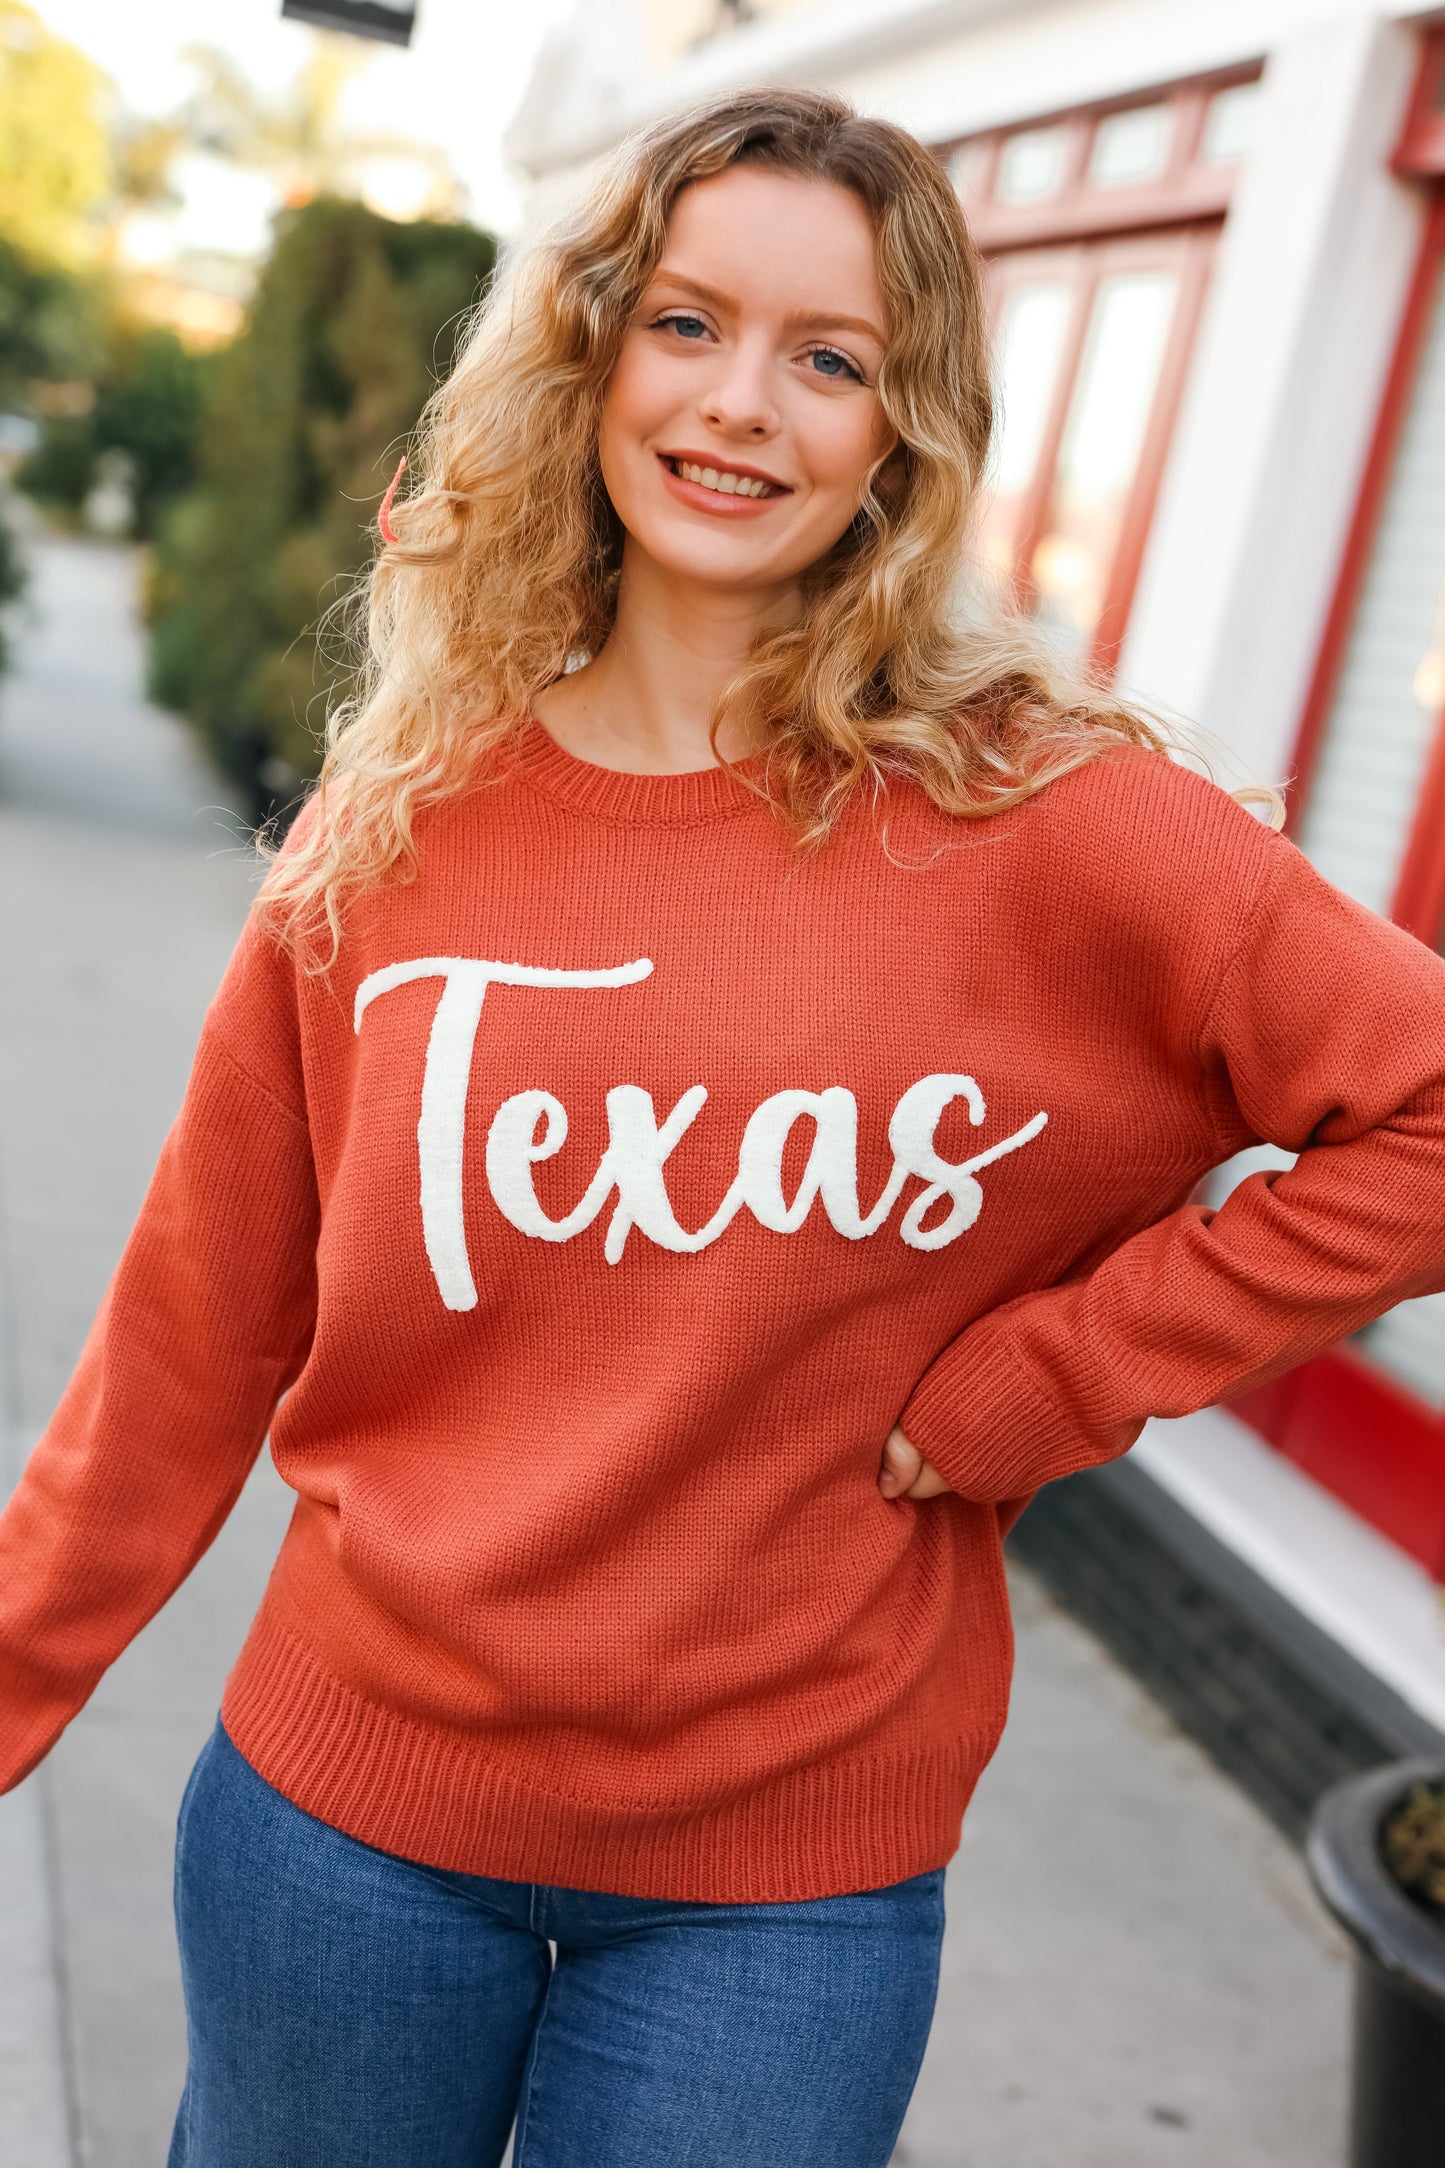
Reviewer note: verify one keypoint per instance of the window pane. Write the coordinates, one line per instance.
(1112, 401)
(1229, 125)
(1032, 327)
(1391, 688)
(968, 168)
(1131, 147)
(1032, 165)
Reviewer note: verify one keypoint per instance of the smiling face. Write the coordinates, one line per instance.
(743, 417)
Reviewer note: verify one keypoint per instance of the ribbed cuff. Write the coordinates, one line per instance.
(990, 1428)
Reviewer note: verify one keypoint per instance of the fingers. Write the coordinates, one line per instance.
(905, 1473)
(902, 1464)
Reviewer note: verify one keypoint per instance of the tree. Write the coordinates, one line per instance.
(148, 395)
(49, 325)
(354, 318)
(54, 160)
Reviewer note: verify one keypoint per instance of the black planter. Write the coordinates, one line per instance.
(1397, 2116)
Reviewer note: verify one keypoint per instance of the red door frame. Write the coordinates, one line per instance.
(1364, 1437)
(1379, 464)
(1419, 902)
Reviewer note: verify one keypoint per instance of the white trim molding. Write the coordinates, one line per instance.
(1285, 385)
(942, 67)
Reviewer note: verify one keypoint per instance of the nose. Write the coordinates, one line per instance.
(740, 400)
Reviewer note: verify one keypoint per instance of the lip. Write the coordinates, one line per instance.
(714, 501)
(730, 466)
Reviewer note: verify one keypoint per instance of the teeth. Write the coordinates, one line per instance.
(725, 483)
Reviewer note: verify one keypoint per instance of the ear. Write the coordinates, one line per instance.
(892, 476)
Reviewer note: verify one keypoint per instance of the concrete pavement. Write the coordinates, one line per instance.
(1135, 1975)
(123, 883)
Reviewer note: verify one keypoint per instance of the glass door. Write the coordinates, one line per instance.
(1368, 806)
(1373, 816)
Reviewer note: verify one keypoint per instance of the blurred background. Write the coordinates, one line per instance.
(236, 249)
(231, 266)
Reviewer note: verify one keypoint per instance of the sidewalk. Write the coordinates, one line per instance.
(119, 900)
(1135, 1975)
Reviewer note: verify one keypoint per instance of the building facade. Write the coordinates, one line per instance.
(1215, 232)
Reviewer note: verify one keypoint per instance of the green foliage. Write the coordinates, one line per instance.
(54, 154)
(354, 320)
(1413, 1842)
(49, 325)
(149, 395)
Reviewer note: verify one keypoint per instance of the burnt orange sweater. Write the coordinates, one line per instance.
(626, 1180)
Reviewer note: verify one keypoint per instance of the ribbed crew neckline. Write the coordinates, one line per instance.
(699, 794)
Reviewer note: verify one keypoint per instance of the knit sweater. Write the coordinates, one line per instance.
(583, 1232)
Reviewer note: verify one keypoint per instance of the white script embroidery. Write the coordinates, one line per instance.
(532, 1126)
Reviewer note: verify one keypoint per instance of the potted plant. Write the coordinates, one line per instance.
(1376, 1852)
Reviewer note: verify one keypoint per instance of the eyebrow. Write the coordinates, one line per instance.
(796, 319)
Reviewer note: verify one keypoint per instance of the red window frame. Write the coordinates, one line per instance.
(1190, 252)
(1186, 190)
(1357, 1431)
(1083, 231)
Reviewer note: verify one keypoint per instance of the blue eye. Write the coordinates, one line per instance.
(687, 327)
(829, 362)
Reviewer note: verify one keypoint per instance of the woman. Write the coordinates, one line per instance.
(699, 1126)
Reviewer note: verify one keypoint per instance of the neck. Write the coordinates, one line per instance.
(646, 703)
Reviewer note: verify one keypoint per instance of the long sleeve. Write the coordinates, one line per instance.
(1326, 1036)
(205, 1323)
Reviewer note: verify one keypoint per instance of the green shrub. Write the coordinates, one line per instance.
(49, 325)
(149, 395)
(354, 319)
(61, 468)
(1413, 1843)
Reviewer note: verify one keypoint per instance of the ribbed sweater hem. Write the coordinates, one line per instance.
(433, 1796)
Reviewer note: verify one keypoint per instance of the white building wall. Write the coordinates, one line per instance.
(1283, 393)
(1305, 303)
(1028, 57)
(1278, 413)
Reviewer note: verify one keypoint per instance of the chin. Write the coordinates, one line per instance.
(700, 558)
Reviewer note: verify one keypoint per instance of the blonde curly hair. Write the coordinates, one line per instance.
(504, 571)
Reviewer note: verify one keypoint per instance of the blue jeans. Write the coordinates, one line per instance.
(349, 2009)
